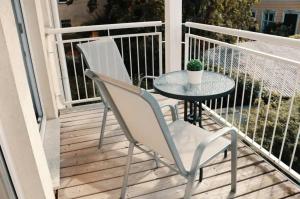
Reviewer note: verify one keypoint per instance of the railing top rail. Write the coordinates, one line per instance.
(77, 29)
(246, 34)
(113, 36)
(256, 52)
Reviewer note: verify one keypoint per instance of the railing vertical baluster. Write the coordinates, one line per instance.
(130, 59)
(224, 72)
(213, 69)
(138, 58)
(186, 50)
(122, 53)
(160, 53)
(251, 96)
(208, 56)
(295, 148)
(203, 53)
(75, 72)
(213, 61)
(93, 82)
(268, 108)
(145, 56)
(236, 87)
(199, 48)
(195, 48)
(228, 97)
(207, 65)
(84, 79)
(288, 119)
(190, 45)
(218, 71)
(259, 102)
(277, 112)
(243, 92)
(152, 49)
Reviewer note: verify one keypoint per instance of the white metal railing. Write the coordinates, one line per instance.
(264, 106)
(141, 51)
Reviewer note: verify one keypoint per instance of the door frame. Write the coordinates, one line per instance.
(287, 11)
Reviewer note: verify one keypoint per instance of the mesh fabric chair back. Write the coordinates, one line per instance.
(139, 114)
(103, 56)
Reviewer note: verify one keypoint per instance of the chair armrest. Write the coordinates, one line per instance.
(173, 111)
(145, 77)
(201, 147)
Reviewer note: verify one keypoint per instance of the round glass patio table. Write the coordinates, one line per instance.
(175, 85)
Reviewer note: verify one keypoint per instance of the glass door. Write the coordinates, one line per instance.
(7, 190)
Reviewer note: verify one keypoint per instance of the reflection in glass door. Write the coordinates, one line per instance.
(7, 190)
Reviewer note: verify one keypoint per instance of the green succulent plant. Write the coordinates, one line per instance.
(195, 65)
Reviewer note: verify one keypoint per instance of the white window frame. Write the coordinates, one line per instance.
(268, 21)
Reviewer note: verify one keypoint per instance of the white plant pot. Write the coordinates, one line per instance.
(194, 77)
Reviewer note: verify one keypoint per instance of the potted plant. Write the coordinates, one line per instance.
(195, 71)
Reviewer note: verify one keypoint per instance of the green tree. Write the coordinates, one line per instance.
(228, 13)
(123, 11)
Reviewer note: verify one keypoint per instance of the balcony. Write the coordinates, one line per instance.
(263, 109)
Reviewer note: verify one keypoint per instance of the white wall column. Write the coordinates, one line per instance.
(32, 14)
(173, 31)
(19, 132)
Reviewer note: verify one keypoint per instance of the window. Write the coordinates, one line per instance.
(65, 23)
(268, 18)
(62, 1)
(28, 61)
(253, 13)
(291, 21)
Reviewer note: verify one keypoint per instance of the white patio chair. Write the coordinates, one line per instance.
(102, 56)
(187, 146)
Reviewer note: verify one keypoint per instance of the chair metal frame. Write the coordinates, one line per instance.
(106, 104)
(178, 167)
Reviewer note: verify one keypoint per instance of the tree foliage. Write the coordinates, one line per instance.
(124, 11)
(229, 13)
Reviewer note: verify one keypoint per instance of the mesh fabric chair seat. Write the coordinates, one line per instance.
(187, 146)
(103, 56)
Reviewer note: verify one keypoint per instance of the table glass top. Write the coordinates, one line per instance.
(175, 85)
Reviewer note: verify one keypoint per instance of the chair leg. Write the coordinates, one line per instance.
(225, 153)
(201, 174)
(176, 111)
(189, 186)
(125, 179)
(103, 127)
(156, 158)
(233, 164)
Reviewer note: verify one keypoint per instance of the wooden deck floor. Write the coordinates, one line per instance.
(89, 173)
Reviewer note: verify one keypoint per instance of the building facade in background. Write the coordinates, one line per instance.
(79, 12)
(278, 11)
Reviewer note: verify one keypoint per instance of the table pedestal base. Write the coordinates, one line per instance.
(193, 112)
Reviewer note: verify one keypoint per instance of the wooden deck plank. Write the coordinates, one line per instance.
(244, 158)
(281, 190)
(89, 173)
(149, 176)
